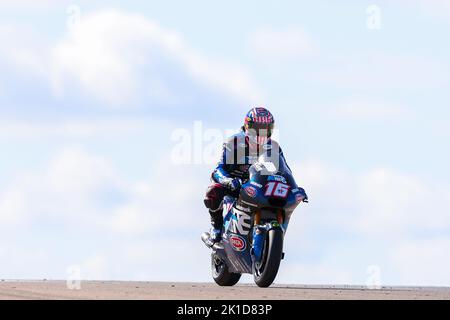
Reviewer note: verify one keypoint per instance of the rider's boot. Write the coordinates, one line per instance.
(215, 234)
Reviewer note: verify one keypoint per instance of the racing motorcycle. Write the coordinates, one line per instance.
(255, 224)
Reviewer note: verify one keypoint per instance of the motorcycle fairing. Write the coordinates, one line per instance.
(236, 224)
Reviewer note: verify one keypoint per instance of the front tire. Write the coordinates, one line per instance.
(220, 273)
(264, 272)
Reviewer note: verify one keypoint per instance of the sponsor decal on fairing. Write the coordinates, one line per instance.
(251, 191)
(238, 243)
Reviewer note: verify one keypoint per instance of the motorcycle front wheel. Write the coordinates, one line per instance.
(265, 271)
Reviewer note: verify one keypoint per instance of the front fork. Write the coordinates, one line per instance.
(260, 232)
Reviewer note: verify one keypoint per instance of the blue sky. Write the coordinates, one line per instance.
(89, 104)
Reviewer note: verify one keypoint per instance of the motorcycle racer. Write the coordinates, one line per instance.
(239, 152)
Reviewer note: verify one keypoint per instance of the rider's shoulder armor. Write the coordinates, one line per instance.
(234, 159)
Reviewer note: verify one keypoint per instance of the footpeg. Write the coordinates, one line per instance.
(206, 238)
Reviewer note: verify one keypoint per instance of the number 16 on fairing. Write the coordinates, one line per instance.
(276, 189)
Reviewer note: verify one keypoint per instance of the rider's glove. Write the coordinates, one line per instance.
(234, 184)
(305, 199)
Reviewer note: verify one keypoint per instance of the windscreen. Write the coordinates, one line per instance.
(270, 165)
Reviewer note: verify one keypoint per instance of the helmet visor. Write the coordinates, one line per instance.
(260, 129)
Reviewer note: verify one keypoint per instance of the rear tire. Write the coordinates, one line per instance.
(220, 273)
(264, 273)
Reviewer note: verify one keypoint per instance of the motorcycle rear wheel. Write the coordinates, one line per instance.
(220, 273)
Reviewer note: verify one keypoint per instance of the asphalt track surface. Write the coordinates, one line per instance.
(37, 290)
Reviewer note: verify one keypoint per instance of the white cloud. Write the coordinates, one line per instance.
(94, 268)
(380, 215)
(433, 8)
(381, 205)
(66, 191)
(361, 109)
(29, 130)
(149, 221)
(280, 44)
(77, 187)
(74, 171)
(379, 201)
(396, 203)
(387, 71)
(117, 57)
(63, 188)
(423, 261)
(11, 207)
(22, 49)
(27, 3)
(323, 182)
(81, 191)
(20, 262)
